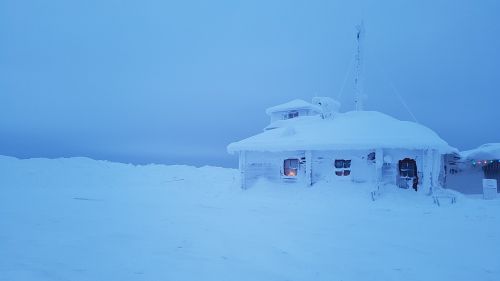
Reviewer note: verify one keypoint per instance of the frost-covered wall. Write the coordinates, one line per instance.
(269, 166)
(391, 159)
(428, 161)
(377, 166)
(361, 169)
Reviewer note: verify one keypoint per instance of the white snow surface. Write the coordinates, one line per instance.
(80, 219)
(350, 130)
(293, 104)
(487, 151)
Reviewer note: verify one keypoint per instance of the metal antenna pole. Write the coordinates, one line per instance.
(360, 36)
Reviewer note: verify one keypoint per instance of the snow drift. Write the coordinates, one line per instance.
(80, 219)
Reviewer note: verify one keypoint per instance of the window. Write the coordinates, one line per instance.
(291, 114)
(290, 167)
(342, 167)
(341, 163)
(371, 156)
(407, 168)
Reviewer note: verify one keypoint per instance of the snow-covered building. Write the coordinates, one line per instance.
(467, 169)
(311, 142)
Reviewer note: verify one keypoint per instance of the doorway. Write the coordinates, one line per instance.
(408, 174)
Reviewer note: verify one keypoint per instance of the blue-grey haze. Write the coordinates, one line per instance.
(176, 81)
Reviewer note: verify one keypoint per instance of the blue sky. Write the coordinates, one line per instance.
(175, 82)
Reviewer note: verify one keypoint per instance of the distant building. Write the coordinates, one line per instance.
(306, 143)
(467, 169)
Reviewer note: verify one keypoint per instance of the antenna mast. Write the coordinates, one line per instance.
(360, 38)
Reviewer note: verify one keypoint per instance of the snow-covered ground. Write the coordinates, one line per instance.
(80, 219)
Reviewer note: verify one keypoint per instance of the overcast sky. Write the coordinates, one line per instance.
(175, 82)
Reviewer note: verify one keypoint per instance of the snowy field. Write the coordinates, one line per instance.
(80, 219)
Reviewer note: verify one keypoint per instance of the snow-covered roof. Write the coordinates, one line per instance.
(294, 104)
(487, 151)
(350, 130)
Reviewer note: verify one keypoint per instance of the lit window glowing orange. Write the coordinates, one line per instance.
(290, 167)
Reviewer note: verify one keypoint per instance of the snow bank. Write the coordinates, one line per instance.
(80, 219)
(351, 130)
(85, 173)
